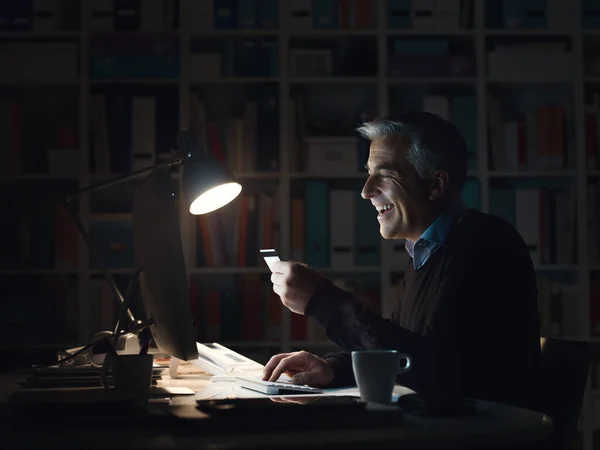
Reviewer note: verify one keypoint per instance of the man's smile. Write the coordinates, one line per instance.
(384, 210)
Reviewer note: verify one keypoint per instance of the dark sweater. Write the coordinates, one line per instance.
(468, 318)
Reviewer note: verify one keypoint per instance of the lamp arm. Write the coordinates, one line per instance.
(119, 180)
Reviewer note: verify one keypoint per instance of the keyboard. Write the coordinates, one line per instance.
(275, 387)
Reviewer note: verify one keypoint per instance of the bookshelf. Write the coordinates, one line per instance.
(329, 96)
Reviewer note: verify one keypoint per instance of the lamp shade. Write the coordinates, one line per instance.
(207, 183)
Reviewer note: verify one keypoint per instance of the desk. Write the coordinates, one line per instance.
(180, 425)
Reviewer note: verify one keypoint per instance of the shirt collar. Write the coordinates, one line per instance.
(438, 230)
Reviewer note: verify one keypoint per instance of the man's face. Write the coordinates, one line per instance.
(395, 185)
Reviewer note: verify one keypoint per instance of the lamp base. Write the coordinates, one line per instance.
(127, 344)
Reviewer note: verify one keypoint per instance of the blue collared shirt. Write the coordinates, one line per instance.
(431, 239)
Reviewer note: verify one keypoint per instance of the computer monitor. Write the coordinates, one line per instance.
(163, 280)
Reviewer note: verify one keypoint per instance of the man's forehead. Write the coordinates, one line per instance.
(388, 150)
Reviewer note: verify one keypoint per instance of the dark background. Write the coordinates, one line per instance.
(92, 90)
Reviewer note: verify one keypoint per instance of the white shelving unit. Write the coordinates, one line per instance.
(480, 84)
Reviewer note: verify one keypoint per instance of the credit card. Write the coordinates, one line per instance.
(270, 256)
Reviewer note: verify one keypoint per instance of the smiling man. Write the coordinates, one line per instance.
(468, 315)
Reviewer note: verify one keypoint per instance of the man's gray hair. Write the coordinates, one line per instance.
(433, 144)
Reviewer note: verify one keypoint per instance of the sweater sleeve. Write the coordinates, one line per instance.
(341, 363)
(354, 326)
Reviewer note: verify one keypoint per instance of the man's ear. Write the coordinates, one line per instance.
(439, 185)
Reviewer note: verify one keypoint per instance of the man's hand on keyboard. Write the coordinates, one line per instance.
(302, 367)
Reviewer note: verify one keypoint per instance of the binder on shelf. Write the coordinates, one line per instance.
(534, 14)
(367, 236)
(447, 15)
(139, 56)
(298, 229)
(423, 14)
(341, 230)
(300, 15)
(332, 154)
(512, 12)
(502, 204)
(591, 14)
(325, 14)
(20, 14)
(471, 194)
(463, 113)
(528, 15)
(114, 244)
(355, 14)
(42, 240)
(527, 209)
(317, 229)
(267, 129)
(119, 131)
(399, 14)
(247, 14)
(143, 132)
(268, 14)
(224, 14)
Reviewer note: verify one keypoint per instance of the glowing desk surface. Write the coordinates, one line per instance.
(179, 424)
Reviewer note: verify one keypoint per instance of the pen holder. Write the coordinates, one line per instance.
(131, 375)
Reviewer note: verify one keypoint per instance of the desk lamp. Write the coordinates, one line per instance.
(207, 186)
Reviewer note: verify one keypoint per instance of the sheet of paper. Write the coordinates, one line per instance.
(207, 389)
(228, 389)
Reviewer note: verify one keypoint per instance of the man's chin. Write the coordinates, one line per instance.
(386, 232)
(391, 232)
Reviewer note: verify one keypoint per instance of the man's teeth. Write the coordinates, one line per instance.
(384, 208)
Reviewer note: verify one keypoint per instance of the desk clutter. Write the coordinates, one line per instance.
(86, 375)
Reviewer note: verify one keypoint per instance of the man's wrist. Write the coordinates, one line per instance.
(341, 366)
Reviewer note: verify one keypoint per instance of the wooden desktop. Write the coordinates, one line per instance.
(176, 422)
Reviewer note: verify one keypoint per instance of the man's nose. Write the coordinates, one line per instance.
(369, 190)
